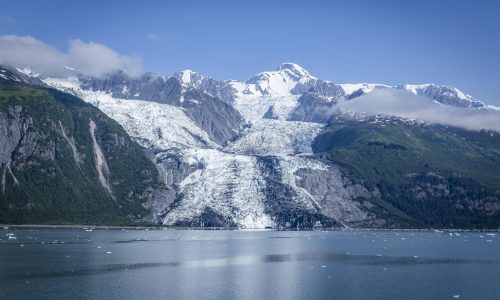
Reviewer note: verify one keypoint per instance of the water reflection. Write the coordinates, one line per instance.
(251, 260)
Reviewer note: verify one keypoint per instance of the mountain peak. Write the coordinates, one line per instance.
(186, 76)
(293, 68)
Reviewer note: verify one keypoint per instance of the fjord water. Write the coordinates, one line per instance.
(63, 263)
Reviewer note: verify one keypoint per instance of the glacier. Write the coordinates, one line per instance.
(233, 184)
(246, 162)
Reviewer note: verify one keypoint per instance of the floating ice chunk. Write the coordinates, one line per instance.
(108, 252)
(456, 296)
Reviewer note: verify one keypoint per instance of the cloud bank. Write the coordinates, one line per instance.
(406, 105)
(90, 58)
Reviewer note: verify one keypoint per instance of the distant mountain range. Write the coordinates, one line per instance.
(272, 151)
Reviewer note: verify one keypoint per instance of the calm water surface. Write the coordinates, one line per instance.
(38, 263)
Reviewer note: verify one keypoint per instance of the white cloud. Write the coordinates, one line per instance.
(405, 105)
(89, 58)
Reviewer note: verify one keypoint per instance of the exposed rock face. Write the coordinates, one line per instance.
(218, 89)
(219, 119)
(149, 86)
(13, 128)
(333, 194)
(312, 108)
(327, 90)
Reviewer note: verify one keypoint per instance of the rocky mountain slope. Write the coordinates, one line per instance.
(64, 161)
(272, 152)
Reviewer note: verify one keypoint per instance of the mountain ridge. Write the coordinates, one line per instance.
(291, 79)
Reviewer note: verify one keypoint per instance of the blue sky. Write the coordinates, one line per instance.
(447, 42)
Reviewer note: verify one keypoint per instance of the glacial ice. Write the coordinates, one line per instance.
(228, 180)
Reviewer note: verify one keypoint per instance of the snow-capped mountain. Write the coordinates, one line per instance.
(281, 82)
(443, 94)
(291, 79)
(239, 153)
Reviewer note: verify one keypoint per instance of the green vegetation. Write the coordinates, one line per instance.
(431, 176)
(52, 187)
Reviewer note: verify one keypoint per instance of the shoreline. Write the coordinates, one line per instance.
(159, 227)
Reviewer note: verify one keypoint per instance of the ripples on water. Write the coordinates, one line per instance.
(139, 263)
